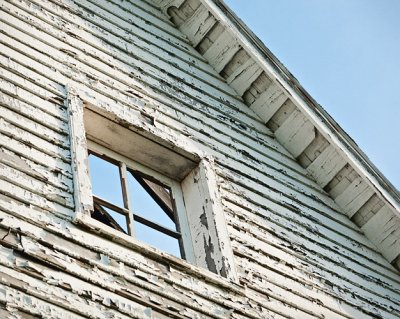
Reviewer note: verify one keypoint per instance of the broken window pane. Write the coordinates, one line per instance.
(110, 217)
(157, 239)
(105, 178)
(146, 206)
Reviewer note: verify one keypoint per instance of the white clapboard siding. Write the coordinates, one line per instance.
(352, 275)
(285, 199)
(35, 186)
(9, 129)
(33, 127)
(335, 235)
(134, 71)
(146, 18)
(35, 170)
(53, 106)
(211, 133)
(296, 254)
(40, 157)
(19, 192)
(315, 246)
(35, 289)
(276, 282)
(138, 273)
(39, 117)
(312, 275)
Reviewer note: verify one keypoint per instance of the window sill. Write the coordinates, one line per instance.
(95, 227)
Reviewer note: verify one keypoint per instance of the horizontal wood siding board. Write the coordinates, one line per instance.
(159, 23)
(240, 197)
(20, 121)
(33, 141)
(31, 305)
(35, 170)
(290, 236)
(54, 165)
(137, 270)
(348, 271)
(263, 189)
(314, 276)
(108, 25)
(36, 186)
(353, 307)
(210, 132)
(13, 190)
(150, 8)
(22, 94)
(34, 114)
(151, 80)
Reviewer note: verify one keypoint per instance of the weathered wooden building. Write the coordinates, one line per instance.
(275, 211)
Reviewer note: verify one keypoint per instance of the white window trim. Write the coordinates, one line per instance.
(202, 200)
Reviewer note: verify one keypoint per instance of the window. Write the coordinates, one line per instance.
(128, 153)
(136, 200)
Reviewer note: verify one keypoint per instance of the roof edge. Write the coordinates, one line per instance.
(328, 126)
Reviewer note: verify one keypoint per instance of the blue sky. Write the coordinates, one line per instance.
(346, 53)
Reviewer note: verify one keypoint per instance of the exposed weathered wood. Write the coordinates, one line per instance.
(211, 133)
(295, 255)
(79, 164)
(317, 246)
(207, 222)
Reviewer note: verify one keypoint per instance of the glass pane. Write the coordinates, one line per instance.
(110, 217)
(145, 206)
(157, 239)
(106, 182)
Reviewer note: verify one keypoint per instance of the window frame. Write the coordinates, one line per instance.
(211, 245)
(182, 233)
